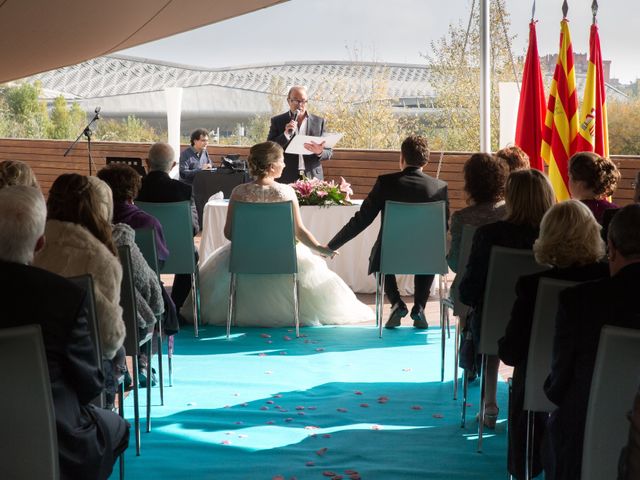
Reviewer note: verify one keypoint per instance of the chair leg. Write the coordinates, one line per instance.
(456, 350)
(465, 392)
(195, 289)
(170, 345)
(136, 402)
(121, 412)
(483, 380)
(296, 304)
(160, 363)
(528, 457)
(149, 382)
(443, 337)
(380, 302)
(232, 301)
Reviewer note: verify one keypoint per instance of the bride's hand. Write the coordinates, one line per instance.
(326, 251)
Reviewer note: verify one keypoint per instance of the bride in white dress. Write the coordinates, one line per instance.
(267, 300)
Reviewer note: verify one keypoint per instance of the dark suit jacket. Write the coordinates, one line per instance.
(312, 165)
(582, 312)
(29, 295)
(514, 351)
(410, 185)
(159, 187)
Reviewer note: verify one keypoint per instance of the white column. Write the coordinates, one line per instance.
(509, 101)
(173, 96)
(485, 78)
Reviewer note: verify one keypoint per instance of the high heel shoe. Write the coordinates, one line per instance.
(491, 412)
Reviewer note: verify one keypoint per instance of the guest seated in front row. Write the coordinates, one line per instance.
(528, 195)
(582, 312)
(484, 179)
(79, 241)
(570, 242)
(89, 438)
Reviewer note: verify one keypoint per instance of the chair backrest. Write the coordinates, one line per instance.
(28, 433)
(613, 385)
(263, 238)
(466, 241)
(541, 344)
(414, 238)
(506, 266)
(175, 218)
(128, 302)
(146, 242)
(86, 283)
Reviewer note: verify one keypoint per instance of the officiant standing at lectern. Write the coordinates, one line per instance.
(298, 121)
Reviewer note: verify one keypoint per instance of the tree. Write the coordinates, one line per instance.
(624, 121)
(454, 63)
(130, 130)
(65, 123)
(25, 116)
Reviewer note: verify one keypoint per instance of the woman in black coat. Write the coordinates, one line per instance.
(570, 242)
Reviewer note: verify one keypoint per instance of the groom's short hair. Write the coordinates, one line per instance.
(415, 151)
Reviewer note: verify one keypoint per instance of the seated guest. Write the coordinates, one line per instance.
(570, 242)
(15, 172)
(514, 158)
(89, 438)
(582, 312)
(592, 179)
(195, 158)
(158, 187)
(528, 195)
(484, 179)
(79, 241)
(125, 183)
(145, 281)
(629, 465)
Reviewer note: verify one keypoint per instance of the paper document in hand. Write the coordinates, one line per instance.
(296, 145)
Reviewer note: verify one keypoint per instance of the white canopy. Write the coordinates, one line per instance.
(40, 35)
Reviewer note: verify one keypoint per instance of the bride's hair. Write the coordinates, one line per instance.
(261, 155)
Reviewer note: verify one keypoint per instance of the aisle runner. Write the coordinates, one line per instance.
(266, 405)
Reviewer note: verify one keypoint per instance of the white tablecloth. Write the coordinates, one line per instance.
(324, 222)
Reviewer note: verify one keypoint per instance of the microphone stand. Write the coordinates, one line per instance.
(87, 132)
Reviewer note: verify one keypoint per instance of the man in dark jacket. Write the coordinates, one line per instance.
(89, 438)
(408, 185)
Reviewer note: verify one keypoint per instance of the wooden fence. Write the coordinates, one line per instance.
(358, 167)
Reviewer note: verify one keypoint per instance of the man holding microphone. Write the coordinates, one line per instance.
(298, 121)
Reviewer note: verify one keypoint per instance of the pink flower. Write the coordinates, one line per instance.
(321, 193)
(345, 188)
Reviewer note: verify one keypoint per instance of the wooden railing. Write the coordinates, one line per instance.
(358, 167)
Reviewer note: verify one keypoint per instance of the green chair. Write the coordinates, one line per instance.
(613, 386)
(413, 243)
(263, 242)
(146, 242)
(132, 342)
(28, 434)
(506, 266)
(175, 218)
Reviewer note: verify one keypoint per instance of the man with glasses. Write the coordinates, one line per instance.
(298, 121)
(195, 158)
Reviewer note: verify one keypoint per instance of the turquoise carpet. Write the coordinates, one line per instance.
(266, 405)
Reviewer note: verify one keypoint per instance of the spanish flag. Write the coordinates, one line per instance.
(593, 135)
(561, 122)
(531, 109)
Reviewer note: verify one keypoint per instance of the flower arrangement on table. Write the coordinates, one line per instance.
(311, 191)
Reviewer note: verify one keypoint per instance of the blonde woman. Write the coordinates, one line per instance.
(528, 195)
(570, 243)
(265, 300)
(15, 172)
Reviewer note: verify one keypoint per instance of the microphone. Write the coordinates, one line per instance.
(97, 110)
(295, 118)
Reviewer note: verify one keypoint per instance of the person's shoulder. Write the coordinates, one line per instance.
(281, 117)
(123, 234)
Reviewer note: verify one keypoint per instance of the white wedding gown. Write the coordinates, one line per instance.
(267, 300)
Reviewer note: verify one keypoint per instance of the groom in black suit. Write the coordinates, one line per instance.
(408, 185)
(298, 121)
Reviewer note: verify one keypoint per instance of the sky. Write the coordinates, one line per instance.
(398, 31)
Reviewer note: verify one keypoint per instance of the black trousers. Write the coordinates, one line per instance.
(421, 288)
(182, 287)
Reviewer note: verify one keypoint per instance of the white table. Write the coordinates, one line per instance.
(324, 222)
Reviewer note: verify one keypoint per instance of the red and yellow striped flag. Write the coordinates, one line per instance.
(593, 135)
(561, 122)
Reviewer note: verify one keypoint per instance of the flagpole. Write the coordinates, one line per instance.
(485, 79)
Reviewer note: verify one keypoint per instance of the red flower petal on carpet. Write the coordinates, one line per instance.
(322, 451)
(376, 427)
(288, 419)
(225, 442)
(265, 335)
(278, 477)
(310, 464)
(300, 413)
(264, 407)
(341, 410)
(310, 427)
(364, 405)
(286, 337)
(337, 477)
(299, 407)
(262, 354)
(319, 349)
(283, 352)
(244, 404)
(312, 408)
(355, 476)
(326, 435)
(437, 415)
(329, 473)
(416, 407)
(239, 423)
(350, 472)
(269, 402)
(270, 422)
(358, 392)
(277, 395)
